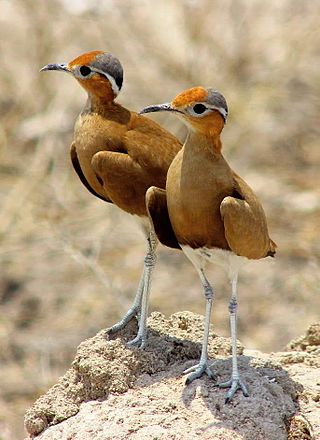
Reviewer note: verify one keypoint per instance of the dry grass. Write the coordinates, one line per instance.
(70, 264)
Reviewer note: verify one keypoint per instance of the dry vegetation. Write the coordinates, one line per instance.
(70, 263)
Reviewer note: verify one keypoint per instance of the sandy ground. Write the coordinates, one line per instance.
(112, 392)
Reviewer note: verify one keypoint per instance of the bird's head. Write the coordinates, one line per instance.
(99, 73)
(203, 110)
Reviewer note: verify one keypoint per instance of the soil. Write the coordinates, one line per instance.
(113, 392)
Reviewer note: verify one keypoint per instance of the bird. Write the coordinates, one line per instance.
(118, 155)
(213, 213)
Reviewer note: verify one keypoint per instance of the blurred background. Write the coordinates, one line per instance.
(70, 264)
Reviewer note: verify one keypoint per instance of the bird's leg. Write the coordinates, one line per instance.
(235, 383)
(149, 263)
(203, 366)
(134, 310)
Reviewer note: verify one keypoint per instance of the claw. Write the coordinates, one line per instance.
(138, 342)
(197, 371)
(235, 385)
(134, 312)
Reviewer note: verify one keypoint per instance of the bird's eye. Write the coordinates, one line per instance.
(199, 109)
(85, 70)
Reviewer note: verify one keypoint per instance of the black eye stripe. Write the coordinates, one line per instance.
(199, 108)
(119, 81)
(85, 70)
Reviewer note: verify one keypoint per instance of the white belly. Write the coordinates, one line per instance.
(229, 261)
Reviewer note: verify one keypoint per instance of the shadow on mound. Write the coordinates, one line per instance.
(103, 365)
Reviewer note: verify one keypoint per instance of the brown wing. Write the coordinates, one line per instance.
(147, 151)
(123, 179)
(77, 167)
(152, 147)
(156, 201)
(245, 223)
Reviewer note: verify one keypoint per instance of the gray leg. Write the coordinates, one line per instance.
(235, 383)
(134, 310)
(203, 366)
(137, 306)
(149, 263)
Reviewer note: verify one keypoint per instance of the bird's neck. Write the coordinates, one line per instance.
(107, 108)
(199, 143)
(98, 104)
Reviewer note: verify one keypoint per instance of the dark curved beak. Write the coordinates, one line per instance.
(158, 108)
(62, 67)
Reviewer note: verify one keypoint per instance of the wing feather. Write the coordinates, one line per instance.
(78, 170)
(245, 223)
(123, 179)
(156, 201)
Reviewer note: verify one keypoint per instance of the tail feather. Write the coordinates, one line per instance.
(272, 251)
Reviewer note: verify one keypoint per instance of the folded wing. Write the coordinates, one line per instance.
(245, 223)
(156, 201)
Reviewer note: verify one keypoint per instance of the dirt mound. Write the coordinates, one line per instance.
(114, 392)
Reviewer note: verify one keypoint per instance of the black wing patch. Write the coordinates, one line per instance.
(77, 167)
(236, 195)
(156, 201)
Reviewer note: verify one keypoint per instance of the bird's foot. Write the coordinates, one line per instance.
(234, 385)
(197, 371)
(133, 312)
(140, 341)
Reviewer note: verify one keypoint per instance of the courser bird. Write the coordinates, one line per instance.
(118, 155)
(214, 214)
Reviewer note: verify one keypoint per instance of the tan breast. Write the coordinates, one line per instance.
(94, 133)
(196, 186)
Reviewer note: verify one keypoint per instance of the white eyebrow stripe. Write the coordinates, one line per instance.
(112, 81)
(219, 109)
